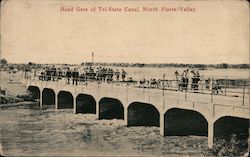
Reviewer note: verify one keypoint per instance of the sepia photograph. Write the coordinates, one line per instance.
(124, 78)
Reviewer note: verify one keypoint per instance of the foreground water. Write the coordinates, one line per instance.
(36, 132)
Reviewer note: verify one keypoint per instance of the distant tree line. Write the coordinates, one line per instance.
(10, 66)
(163, 65)
(5, 65)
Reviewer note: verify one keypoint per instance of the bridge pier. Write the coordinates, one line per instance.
(162, 127)
(125, 116)
(74, 104)
(56, 101)
(210, 137)
(97, 109)
(41, 99)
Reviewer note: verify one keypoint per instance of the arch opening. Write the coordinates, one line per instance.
(231, 132)
(181, 122)
(35, 92)
(143, 114)
(227, 126)
(65, 100)
(48, 96)
(110, 108)
(85, 104)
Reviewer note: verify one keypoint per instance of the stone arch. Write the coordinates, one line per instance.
(48, 96)
(226, 126)
(110, 108)
(85, 104)
(182, 122)
(143, 114)
(65, 100)
(35, 92)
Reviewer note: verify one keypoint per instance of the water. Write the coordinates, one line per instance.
(157, 73)
(27, 131)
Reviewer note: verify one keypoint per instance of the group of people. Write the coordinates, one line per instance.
(74, 75)
(104, 74)
(214, 85)
(192, 79)
(89, 73)
(187, 78)
(50, 74)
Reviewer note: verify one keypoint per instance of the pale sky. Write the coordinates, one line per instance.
(37, 31)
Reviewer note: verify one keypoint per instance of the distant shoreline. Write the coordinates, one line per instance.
(4, 63)
(177, 65)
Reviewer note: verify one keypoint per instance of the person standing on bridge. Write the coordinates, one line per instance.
(178, 79)
(59, 74)
(75, 76)
(48, 74)
(193, 80)
(68, 75)
(197, 76)
(216, 87)
(183, 80)
(123, 75)
(117, 74)
(43, 74)
(186, 79)
(53, 73)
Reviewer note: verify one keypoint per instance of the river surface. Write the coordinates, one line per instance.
(29, 131)
(169, 72)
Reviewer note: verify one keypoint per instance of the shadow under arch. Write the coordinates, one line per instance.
(143, 114)
(48, 96)
(182, 122)
(85, 104)
(65, 100)
(110, 108)
(35, 92)
(226, 126)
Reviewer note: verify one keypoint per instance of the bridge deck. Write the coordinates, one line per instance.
(153, 93)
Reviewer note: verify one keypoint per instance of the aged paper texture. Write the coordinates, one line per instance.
(124, 78)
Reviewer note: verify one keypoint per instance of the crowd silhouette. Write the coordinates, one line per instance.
(89, 74)
(188, 79)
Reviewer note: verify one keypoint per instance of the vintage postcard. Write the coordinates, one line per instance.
(124, 78)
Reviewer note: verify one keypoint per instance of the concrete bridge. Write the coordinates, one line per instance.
(174, 112)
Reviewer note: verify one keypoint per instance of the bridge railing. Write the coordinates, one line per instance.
(231, 87)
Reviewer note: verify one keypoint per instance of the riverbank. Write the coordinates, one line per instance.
(11, 84)
(13, 93)
(22, 103)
